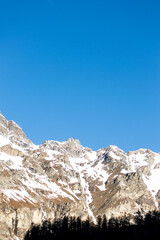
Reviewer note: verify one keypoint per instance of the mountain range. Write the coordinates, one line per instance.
(54, 179)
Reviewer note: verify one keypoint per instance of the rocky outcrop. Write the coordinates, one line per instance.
(64, 178)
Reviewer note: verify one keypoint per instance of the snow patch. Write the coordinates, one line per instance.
(18, 195)
(3, 141)
(135, 161)
(92, 155)
(13, 162)
(80, 165)
(73, 180)
(153, 181)
(114, 156)
(41, 182)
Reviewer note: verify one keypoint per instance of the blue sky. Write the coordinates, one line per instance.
(83, 69)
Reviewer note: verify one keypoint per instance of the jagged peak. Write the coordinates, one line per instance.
(13, 132)
(140, 151)
(113, 148)
(11, 122)
(72, 140)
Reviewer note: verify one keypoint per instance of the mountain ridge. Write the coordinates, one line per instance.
(54, 179)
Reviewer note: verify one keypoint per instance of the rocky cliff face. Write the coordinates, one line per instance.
(59, 178)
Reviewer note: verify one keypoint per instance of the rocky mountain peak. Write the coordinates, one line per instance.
(13, 133)
(73, 141)
(64, 178)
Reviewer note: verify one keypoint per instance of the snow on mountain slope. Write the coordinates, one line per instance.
(153, 180)
(58, 178)
(4, 141)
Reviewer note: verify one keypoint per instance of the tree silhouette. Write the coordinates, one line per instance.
(146, 227)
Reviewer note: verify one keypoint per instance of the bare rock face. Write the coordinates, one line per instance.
(64, 178)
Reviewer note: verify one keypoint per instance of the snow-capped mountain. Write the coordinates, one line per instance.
(64, 178)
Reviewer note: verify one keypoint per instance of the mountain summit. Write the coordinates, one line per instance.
(64, 178)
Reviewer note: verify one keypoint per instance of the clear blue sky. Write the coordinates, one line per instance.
(83, 69)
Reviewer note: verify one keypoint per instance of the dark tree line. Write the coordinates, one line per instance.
(141, 226)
